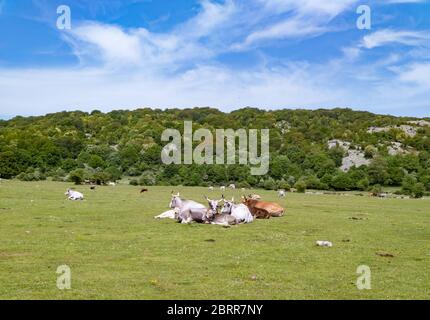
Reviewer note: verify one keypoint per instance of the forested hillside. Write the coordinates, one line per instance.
(336, 149)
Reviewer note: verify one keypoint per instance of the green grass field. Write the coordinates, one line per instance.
(116, 250)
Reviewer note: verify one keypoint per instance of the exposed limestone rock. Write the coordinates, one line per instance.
(284, 126)
(354, 158)
(420, 123)
(345, 145)
(408, 130)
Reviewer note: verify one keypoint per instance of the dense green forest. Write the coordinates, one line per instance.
(101, 147)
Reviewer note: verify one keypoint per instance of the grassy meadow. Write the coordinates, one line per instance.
(117, 250)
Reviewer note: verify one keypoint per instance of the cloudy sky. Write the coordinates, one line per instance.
(227, 54)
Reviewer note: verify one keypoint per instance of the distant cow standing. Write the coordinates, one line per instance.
(144, 190)
(282, 194)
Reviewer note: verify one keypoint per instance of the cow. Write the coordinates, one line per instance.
(74, 195)
(263, 209)
(171, 214)
(201, 215)
(189, 210)
(211, 188)
(282, 194)
(144, 190)
(222, 219)
(112, 184)
(93, 187)
(232, 186)
(222, 188)
(239, 211)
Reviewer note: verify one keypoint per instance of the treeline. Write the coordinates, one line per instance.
(99, 147)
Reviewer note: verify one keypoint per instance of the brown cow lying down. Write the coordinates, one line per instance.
(262, 209)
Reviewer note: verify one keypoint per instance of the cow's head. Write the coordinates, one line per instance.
(213, 204)
(175, 202)
(68, 192)
(228, 205)
(247, 200)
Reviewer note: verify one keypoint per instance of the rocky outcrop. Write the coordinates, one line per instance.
(410, 131)
(353, 158)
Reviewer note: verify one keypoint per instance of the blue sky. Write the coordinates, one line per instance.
(227, 54)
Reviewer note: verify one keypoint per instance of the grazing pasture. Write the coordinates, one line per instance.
(116, 249)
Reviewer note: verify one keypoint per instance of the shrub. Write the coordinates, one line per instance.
(31, 176)
(147, 179)
(134, 182)
(313, 182)
(284, 185)
(243, 184)
(408, 185)
(300, 186)
(58, 178)
(376, 189)
(270, 184)
(363, 184)
(77, 176)
(370, 152)
(418, 191)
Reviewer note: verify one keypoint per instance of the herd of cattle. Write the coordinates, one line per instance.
(221, 212)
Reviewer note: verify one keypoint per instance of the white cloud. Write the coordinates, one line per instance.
(115, 45)
(291, 28)
(388, 36)
(129, 68)
(417, 74)
(298, 19)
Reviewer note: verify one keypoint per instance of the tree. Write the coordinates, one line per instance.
(378, 171)
(342, 181)
(96, 161)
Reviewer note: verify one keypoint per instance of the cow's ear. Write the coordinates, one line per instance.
(232, 199)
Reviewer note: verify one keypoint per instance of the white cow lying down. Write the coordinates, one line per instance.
(171, 214)
(74, 195)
